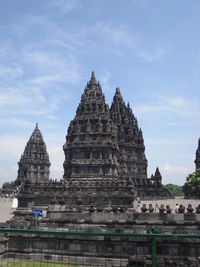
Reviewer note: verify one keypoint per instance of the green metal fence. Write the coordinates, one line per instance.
(39, 248)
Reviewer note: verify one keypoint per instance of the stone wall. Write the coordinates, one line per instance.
(104, 251)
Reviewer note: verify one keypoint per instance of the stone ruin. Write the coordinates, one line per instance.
(105, 168)
(104, 152)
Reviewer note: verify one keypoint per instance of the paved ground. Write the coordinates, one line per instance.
(6, 211)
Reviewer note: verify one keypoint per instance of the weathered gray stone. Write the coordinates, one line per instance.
(34, 163)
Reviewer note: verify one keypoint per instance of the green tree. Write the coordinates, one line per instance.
(175, 190)
(192, 185)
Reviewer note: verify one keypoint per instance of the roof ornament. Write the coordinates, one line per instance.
(93, 79)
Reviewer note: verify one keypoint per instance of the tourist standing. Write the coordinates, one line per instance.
(176, 208)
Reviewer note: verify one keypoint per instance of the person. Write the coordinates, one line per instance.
(176, 208)
(138, 200)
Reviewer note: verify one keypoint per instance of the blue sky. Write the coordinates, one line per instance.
(149, 48)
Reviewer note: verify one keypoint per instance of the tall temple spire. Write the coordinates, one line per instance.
(157, 176)
(132, 158)
(93, 79)
(91, 143)
(118, 97)
(34, 163)
(197, 159)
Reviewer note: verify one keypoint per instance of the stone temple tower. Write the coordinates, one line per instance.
(34, 163)
(197, 160)
(91, 147)
(132, 159)
(91, 150)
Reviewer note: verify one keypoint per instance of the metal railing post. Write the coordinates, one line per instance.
(153, 248)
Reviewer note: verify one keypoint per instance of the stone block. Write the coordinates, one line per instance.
(179, 217)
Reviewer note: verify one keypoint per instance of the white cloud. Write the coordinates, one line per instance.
(4, 48)
(173, 124)
(70, 75)
(154, 55)
(63, 6)
(179, 102)
(8, 174)
(176, 104)
(117, 35)
(39, 57)
(167, 141)
(20, 107)
(142, 3)
(105, 77)
(12, 145)
(13, 97)
(15, 121)
(10, 72)
(176, 168)
(50, 66)
(149, 108)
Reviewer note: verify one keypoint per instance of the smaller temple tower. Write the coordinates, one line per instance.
(197, 159)
(132, 159)
(157, 176)
(34, 163)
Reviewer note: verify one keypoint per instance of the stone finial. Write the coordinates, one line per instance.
(161, 209)
(144, 208)
(181, 209)
(93, 79)
(190, 209)
(118, 94)
(36, 126)
(118, 91)
(198, 209)
(151, 209)
(168, 209)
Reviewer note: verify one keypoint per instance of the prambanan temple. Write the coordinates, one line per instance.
(105, 163)
(105, 169)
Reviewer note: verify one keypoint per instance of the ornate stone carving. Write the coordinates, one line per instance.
(34, 163)
(132, 160)
(96, 140)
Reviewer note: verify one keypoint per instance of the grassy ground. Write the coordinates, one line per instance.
(17, 263)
